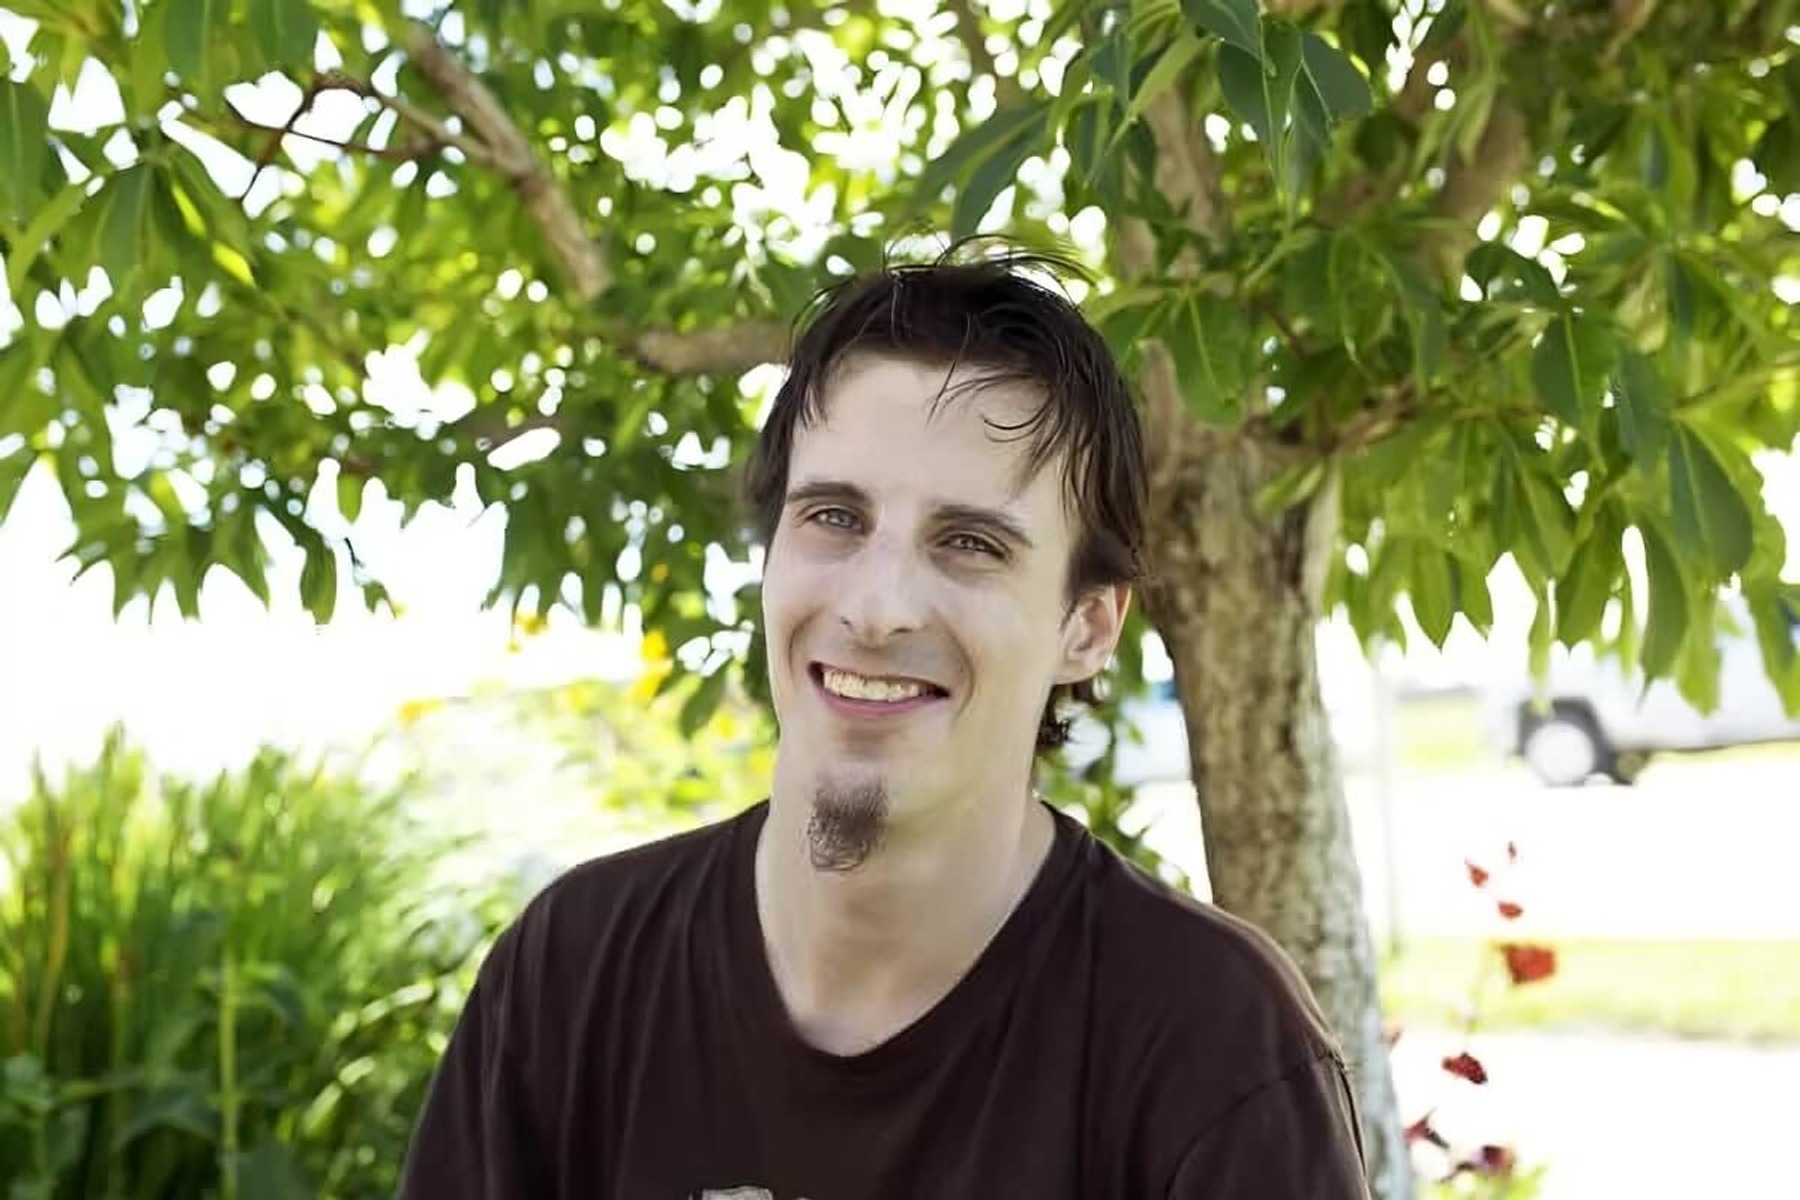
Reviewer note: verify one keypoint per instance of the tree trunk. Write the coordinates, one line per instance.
(1237, 599)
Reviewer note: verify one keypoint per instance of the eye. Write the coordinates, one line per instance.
(975, 544)
(835, 518)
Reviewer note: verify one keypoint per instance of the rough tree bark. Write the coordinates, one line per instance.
(1237, 597)
(1237, 600)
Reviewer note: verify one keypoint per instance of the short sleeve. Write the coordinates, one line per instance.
(1295, 1138)
(475, 1138)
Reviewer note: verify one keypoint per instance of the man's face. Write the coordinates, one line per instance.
(914, 597)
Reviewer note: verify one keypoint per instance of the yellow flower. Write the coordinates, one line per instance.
(414, 711)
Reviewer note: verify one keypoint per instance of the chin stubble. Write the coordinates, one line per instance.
(846, 825)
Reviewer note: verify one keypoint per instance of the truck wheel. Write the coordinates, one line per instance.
(1564, 748)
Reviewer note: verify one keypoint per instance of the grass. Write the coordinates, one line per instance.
(1440, 734)
(1745, 991)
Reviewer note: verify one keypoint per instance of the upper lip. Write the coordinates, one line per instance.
(883, 676)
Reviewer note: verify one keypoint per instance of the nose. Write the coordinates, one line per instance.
(882, 594)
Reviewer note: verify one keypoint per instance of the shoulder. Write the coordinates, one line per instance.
(669, 871)
(609, 908)
(1203, 983)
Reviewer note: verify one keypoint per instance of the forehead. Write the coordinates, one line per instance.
(881, 415)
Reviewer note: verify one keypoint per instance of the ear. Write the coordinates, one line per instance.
(1091, 632)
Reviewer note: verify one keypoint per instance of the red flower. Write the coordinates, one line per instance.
(1491, 1162)
(1421, 1131)
(1510, 911)
(1477, 875)
(1467, 1066)
(1528, 964)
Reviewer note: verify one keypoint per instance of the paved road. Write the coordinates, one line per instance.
(1617, 1118)
(1702, 846)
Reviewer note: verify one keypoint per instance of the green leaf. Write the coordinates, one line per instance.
(13, 469)
(1643, 402)
(1112, 63)
(1538, 638)
(1085, 138)
(144, 89)
(273, 1171)
(286, 31)
(24, 144)
(1777, 155)
(1503, 273)
(1712, 518)
(1777, 619)
(971, 146)
(1209, 339)
(224, 217)
(1584, 588)
(350, 494)
(243, 550)
(1445, 25)
(1570, 367)
(44, 225)
(188, 26)
(1433, 584)
(1667, 622)
(122, 237)
(319, 583)
(1472, 595)
(1697, 668)
(701, 703)
(1505, 505)
(1237, 21)
(1260, 91)
(1167, 70)
(992, 177)
(1352, 273)
(1126, 327)
(1293, 485)
(1551, 527)
(1330, 74)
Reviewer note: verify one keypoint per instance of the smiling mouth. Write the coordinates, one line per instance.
(873, 689)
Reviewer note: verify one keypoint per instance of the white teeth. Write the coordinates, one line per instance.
(858, 687)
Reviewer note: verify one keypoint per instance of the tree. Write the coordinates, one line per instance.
(1411, 288)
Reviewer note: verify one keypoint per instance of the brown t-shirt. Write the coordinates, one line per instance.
(626, 1041)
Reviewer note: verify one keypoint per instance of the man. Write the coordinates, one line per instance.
(904, 975)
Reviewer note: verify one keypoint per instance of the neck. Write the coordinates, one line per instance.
(860, 954)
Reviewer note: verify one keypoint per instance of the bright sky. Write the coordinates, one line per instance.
(206, 693)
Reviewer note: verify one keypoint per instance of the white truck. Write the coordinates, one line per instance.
(1602, 722)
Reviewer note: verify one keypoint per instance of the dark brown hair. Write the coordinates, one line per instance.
(968, 308)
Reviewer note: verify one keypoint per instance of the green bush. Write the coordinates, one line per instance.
(236, 988)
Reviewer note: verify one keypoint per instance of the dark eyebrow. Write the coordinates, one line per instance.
(993, 521)
(828, 489)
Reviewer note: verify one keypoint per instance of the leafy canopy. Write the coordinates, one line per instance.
(1518, 277)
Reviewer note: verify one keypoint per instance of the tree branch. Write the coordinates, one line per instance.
(509, 152)
(1472, 186)
(726, 350)
(268, 152)
(1187, 174)
(1187, 170)
(394, 153)
(968, 26)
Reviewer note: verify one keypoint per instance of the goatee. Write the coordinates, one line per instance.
(846, 825)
